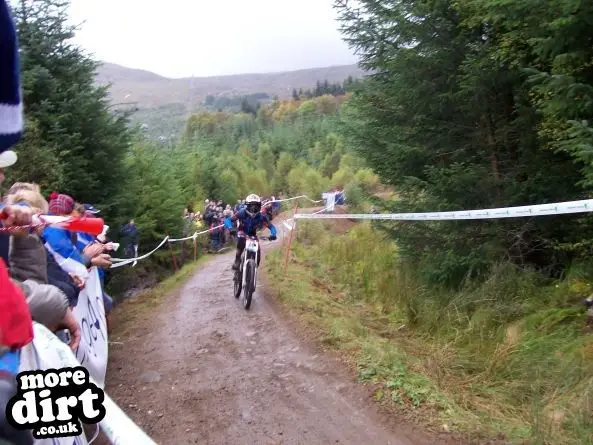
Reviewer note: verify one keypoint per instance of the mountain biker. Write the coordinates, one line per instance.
(251, 219)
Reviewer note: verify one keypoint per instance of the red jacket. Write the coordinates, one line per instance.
(16, 326)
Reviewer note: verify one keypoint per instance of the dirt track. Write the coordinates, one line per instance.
(203, 370)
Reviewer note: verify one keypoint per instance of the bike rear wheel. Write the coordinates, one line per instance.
(249, 284)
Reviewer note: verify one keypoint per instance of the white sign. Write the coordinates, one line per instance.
(90, 313)
(48, 352)
(330, 201)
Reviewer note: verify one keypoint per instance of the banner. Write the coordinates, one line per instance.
(330, 201)
(557, 208)
(90, 313)
(48, 352)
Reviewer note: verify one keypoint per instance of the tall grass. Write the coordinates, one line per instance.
(505, 354)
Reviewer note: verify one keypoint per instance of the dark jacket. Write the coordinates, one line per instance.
(4, 242)
(28, 258)
(130, 232)
(28, 267)
(62, 280)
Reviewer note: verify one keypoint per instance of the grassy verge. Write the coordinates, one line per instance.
(505, 356)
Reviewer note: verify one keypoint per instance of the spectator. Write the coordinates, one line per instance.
(187, 223)
(268, 211)
(275, 206)
(70, 284)
(62, 244)
(16, 328)
(48, 304)
(209, 216)
(83, 240)
(26, 251)
(340, 198)
(130, 233)
(215, 233)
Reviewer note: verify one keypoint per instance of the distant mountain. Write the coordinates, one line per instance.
(150, 90)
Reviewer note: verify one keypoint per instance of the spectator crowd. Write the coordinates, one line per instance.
(51, 264)
(212, 218)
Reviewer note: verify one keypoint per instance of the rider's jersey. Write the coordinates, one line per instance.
(250, 225)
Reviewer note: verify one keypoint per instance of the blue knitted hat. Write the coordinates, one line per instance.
(11, 107)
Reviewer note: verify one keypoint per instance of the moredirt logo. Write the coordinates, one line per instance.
(52, 403)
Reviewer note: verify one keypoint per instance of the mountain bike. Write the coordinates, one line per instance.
(245, 277)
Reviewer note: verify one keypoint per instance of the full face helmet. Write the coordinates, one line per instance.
(253, 205)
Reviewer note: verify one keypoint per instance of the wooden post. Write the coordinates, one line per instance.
(195, 248)
(173, 256)
(288, 247)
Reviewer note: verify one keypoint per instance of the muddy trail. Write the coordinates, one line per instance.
(202, 370)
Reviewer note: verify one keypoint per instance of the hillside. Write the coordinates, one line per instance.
(151, 90)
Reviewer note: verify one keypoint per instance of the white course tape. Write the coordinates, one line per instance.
(557, 208)
(119, 262)
(175, 240)
(195, 235)
(292, 199)
(287, 225)
(123, 261)
(291, 223)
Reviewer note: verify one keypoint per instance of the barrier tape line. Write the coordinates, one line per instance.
(123, 261)
(195, 235)
(291, 220)
(119, 262)
(292, 199)
(557, 208)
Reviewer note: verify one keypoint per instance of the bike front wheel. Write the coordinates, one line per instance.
(237, 284)
(249, 283)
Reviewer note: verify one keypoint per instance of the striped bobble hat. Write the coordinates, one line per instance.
(11, 106)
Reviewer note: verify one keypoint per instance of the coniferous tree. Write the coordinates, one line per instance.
(449, 115)
(74, 135)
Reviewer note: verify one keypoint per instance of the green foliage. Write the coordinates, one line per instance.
(225, 155)
(79, 142)
(325, 88)
(163, 123)
(505, 354)
(152, 194)
(476, 104)
(235, 103)
(355, 195)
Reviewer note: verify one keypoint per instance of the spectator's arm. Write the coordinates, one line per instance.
(59, 244)
(47, 303)
(15, 214)
(63, 280)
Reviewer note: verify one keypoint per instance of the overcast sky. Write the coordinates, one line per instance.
(180, 38)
